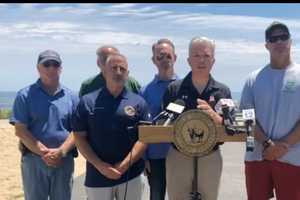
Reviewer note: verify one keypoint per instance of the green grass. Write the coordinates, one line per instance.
(4, 113)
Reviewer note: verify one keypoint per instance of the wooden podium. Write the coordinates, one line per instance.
(193, 133)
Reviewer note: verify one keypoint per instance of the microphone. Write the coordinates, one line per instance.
(174, 109)
(249, 118)
(159, 116)
(226, 107)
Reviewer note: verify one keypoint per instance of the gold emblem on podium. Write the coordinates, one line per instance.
(195, 133)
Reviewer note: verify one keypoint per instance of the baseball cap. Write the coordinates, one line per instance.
(275, 25)
(49, 55)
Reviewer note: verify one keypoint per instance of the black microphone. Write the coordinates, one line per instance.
(227, 117)
(159, 116)
(173, 110)
(226, 107)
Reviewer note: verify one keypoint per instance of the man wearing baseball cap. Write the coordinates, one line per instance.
(42, 118)
(274, 91)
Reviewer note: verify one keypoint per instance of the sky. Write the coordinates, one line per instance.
(77, 30)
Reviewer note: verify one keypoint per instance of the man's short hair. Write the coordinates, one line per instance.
(111, 56)
(198, 39)
(100, 54)
(99, 50)
(274, 26)
(163, 41)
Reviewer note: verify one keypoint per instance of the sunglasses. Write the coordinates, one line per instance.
(273, 39)
(52, 63)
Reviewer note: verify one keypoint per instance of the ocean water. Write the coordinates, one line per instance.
(7, 98)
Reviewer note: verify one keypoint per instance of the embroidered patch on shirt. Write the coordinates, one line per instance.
(290, 86)
(129, 110)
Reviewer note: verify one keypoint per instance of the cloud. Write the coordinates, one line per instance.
(3, 5)
(123, 5)
(81, 10)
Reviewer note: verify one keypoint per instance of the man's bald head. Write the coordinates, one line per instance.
(103, 52)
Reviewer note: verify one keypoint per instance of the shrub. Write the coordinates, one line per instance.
(4, 113)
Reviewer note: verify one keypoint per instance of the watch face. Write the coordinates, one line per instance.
(195, 133)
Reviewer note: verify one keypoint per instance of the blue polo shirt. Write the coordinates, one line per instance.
(153, 93)
(47, 117)
(105, 120)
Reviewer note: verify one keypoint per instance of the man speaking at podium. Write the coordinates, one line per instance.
(199, 91)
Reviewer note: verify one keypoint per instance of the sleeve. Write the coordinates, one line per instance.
(247, 99)
(166, 99)
(228, 93)
(20, 112)
(146, 116)
(75, 102)
(134, 85)
(82, 90)
(80, 117)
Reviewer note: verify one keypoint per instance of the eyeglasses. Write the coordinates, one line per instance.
(52, 63)
(273, 39)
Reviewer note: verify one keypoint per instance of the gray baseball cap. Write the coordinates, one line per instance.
(49, 55)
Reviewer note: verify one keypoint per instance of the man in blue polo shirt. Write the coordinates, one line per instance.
(164, 58)
(42, 118)
(113, 154)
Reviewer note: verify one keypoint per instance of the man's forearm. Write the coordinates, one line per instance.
(28, 140)
(259, 134)
(294, 136)
(137, 152)
(85, 149)
(68, 144)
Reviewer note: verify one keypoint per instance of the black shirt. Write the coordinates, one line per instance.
(185, 90)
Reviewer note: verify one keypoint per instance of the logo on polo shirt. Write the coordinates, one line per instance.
(290, 86)
(129, 110)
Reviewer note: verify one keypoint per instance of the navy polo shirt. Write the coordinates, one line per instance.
(185, 90)
(47, 117)
(105, 120)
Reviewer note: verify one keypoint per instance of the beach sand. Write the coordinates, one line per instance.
(232, 183)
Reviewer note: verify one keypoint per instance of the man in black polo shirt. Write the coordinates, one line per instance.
(113, 153)
(199, 91)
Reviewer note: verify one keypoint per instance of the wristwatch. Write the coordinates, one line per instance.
(267, 143)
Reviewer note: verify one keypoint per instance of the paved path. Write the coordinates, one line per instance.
(232, 183)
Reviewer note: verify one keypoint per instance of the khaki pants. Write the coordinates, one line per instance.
(134, 191)
(179, 172)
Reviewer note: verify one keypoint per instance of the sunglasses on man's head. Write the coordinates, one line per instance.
(275, 38)
(52, 63)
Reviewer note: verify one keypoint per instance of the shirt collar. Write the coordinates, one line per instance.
(122, 95)
(211, 84)
(39, 85)
(157, 79)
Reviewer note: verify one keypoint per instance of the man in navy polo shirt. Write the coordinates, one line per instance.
(199, 90)
(164, 58)
(113, 154)
(42, 118)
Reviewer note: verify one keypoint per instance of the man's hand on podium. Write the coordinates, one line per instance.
(205, 107)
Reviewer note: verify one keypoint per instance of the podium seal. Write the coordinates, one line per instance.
(195, 133)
